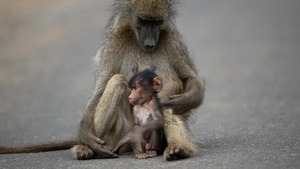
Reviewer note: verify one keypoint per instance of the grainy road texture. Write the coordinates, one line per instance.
(248, 52)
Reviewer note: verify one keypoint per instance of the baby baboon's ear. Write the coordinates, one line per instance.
(157, 84)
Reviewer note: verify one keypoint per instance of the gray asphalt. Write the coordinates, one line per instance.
(247, 51)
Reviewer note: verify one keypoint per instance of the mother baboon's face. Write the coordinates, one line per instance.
(148, 32)
(149, 18)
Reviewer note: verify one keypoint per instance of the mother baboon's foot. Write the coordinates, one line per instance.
(82, 152)
(176, 151)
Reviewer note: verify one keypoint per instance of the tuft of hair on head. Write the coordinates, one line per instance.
(146, 77)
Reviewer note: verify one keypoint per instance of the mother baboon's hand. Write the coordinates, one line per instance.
(175, 102)
(182, 103)
(96, 144)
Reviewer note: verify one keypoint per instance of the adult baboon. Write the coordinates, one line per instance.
(141, 34)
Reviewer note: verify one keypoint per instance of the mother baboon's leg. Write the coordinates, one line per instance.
(113, 117)
(180, 142)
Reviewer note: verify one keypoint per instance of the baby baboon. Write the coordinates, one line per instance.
(147, 133)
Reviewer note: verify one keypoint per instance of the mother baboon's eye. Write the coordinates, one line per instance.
(142, 21)
(159, 22)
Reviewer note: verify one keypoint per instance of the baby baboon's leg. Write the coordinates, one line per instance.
(139, 151)
(180, 142)
(156, 143)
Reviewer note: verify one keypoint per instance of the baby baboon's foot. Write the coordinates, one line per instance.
(174, 152)
(82, 152)
(151, 154)
(141, 156)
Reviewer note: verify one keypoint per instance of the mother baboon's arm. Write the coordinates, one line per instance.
(193, 92)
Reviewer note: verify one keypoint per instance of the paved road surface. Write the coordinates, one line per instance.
(248, 52)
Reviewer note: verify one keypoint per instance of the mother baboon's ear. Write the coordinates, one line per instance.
(157, 84)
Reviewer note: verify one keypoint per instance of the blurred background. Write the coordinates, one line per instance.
(247, 51)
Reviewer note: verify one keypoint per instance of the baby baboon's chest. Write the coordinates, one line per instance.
(143, 116)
